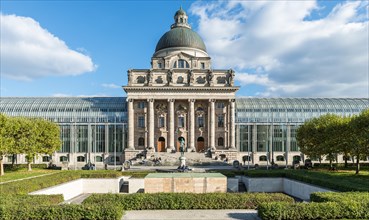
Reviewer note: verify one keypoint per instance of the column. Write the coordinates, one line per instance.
(288, 143)
(171, 125)
(130, 125)
(151, 124)
(232, 125)
(212, 124)
(191, 142)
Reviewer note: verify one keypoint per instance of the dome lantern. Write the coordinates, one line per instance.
(180, 19)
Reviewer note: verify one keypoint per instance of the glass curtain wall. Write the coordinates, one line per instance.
(65, 138)
(245, 138)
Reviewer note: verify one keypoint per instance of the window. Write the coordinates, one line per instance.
(202, 65)
(98, 159)
(45, 159)
(262, 158)
(160, 65)
(141, 105)
(161, 122)
(200, 121)
(80, 159)
(296, 158)
(280, 158)
(116, 159)
(220, 141)
(181, 121)
(246, 158)
(181, 64)
(63, 159)
(220, 121)
(141, 121)
(220, 104)
(141, 141)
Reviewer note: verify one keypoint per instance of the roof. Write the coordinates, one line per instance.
(180, 37)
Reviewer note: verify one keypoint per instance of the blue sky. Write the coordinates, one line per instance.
(278, 49)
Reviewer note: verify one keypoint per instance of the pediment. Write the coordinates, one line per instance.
(179, 55)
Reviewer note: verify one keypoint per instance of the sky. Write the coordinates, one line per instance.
(277, 48)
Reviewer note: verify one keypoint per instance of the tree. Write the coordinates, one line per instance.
(343, 137)
(5, 141)
(307, 139)
(360, 137)
(48, 136)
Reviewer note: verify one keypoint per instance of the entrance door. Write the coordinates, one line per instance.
(161, 144)
(200, 144)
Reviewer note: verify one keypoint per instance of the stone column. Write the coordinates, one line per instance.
(232, 125)
(131, 126)
(151, 124)
(171, 146)
(212, 124)
(191, 142)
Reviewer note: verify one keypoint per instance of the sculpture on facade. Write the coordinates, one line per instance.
(169, 76)
(210, 76)
(149, 77)
(129, 74)
(230, 77)
(191, 77)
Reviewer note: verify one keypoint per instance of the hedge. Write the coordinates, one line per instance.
(27, 200)
(340, 197)
(324, 210)
(14, 167)
(70, 212)
(30, 185)
(175, 201)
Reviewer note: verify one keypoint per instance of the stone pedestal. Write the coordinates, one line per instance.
(182, 161)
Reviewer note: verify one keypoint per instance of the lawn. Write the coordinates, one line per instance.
(23, 173)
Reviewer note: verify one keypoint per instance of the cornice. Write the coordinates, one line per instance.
(177, 89)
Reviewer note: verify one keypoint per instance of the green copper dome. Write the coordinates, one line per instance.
(181, 37)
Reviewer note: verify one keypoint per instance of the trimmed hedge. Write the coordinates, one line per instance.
(175, 201)
(15, 167)
(30, 185)
(30, 200)
(334, 180)
(324, 210)
(340, 197)
(70, 212)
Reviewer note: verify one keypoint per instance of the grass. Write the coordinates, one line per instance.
(23, 173)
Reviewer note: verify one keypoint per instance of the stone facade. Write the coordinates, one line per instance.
(181, 96)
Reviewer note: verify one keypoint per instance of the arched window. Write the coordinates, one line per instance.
(280, 158)
(246, 158)
(80, 159)
(98, 159)
(141, 141)
(181, 64)
(297, 158)
(263, 158)
(63, 159)
(220, 141)
(45, 159)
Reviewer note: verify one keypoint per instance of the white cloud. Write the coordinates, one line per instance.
(110, 86)
(29, 51)
(286, 49)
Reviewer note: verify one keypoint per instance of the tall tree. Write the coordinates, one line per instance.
(48, 136)
(307, 139)
(360, 137)
(5, 141)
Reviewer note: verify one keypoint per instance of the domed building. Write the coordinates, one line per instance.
(180, 104)
(181, 98)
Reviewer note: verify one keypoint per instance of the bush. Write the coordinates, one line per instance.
(69, 212)
(15, 167)
(340, 197)
(324, 210)
(176, 201)
(30, 200)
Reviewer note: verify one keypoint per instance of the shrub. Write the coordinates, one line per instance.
(176, 201)
(340, 197)
(15, 167)
(27, 200)
(324, 210)
(69, 212)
